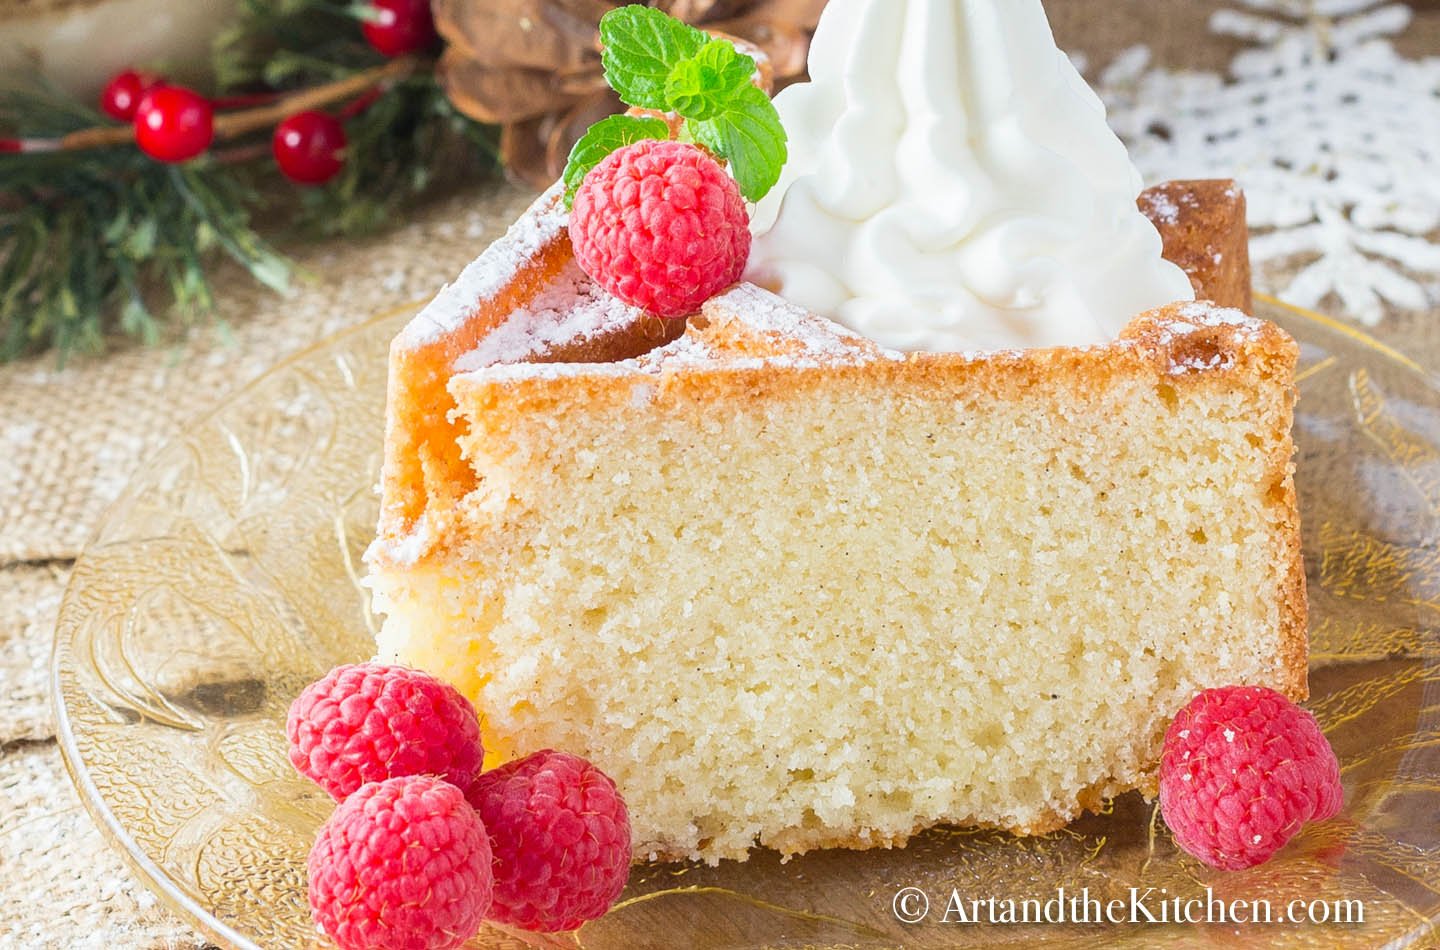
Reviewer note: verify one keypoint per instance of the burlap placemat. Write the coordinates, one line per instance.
(64, 887)
(29, 603)
(71, 438)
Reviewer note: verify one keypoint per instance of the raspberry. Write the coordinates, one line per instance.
(370, 722)
(1242, 770)
(401, 863)
(661, 226)
(561, 839)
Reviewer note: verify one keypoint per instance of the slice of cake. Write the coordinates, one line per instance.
(788, 585)
(791, 589)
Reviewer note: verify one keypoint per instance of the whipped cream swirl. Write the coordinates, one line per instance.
(953, 185)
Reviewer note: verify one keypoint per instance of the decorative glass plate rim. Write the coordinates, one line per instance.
(113, 829)
(150, 874)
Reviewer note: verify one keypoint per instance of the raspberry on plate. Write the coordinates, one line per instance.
(403, 863)
(561, 839)
(1242, 770)
(369, 722)
(662, 226)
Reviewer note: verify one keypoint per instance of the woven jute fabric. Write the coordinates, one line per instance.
(70, 439)
(63, 886)
(29, 602)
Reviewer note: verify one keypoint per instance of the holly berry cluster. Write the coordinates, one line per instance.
(175, 124)
(424, 847)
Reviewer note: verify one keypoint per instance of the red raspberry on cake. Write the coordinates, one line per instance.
(403, 863)
(1242, 770)
(662, 226)
(561, 838)
(370, 722)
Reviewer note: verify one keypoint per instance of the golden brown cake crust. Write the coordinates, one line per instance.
(1202, 224)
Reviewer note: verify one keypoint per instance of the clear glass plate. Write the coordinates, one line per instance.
(225, 579)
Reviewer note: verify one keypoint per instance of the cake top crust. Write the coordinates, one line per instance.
(522, 313)
(484, 278)
(748, 327)
(570, 309)
(745, 326)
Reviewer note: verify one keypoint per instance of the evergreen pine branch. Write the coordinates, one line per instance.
(105, 242)
(89, 240)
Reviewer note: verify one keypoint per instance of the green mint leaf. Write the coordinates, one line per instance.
(734, 69)
(689, 92)
(706, 133)
(748, 134)
(641, 46)
(702, 86)
(601, 139)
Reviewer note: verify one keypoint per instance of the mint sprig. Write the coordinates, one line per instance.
(748, 133)
(640, 48)
(656, 62)
(604, 137)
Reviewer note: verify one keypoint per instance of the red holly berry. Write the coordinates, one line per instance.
(397, 27)
(174, 124)
(121, 96)
(309, 147)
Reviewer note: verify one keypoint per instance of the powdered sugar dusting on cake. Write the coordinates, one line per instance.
(799, 331)
(1162, 207)
(1209, 315)
(744, 328)
(490, 273)
(572, 308)
(687, 350)
(1194, 318)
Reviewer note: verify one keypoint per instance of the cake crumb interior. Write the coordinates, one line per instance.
(854, 598)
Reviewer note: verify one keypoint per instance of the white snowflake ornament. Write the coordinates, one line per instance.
(1334, 136)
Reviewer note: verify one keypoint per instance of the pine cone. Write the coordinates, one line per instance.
(533, 66)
